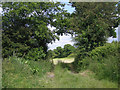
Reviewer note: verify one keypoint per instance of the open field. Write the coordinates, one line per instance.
(65, 60)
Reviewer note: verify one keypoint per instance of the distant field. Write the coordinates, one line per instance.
(65, 60)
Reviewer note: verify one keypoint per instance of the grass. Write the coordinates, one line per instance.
(0, 73)
(17, 75)
(65, 79)
(104, 61)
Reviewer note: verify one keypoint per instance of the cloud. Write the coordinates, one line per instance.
(60, 0)
(0, 10)
(63, 40)
(51, 28)
(110, 39)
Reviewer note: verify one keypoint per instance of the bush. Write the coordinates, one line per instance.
(60, 52)
(35, 54)
(50, 54)
(103, 61)
(77, 64)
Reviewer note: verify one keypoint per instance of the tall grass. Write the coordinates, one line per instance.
(19, 73)
(104, 62)
(66, 79)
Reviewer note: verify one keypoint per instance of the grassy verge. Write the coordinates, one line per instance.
(65, 79)
(20, 75)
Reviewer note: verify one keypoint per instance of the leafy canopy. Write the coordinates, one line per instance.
(92, 23)
(25, 25)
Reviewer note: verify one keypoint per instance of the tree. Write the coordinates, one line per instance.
(68, 49)
(25, 26)
(50, 54)
(64, 52)
(93, 23)
(59, 52)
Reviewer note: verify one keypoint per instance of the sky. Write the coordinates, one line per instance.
(0, 10)
(68, 39)
(63, 39)
(110, 39)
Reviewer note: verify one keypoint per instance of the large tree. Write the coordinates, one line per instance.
(93, 23)
(25, 25)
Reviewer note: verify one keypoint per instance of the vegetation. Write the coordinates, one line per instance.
(93, 24)
(64, 52)
(18, 75)
(25, 26)
(103, 61)
(17, 72)
(27, 62)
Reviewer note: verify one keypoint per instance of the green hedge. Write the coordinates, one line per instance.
(104, 61)
(36, 54)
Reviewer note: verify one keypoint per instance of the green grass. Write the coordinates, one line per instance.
(65, 79)
(0, 78)
(19, 75)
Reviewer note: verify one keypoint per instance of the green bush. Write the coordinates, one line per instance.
(50, 54)
(35, 54)
(77, 64)
(103, 61)
(60, 52)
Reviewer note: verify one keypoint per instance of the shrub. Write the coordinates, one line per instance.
(36, 54)
(50, 54)
(103, 61)
(64, 52)
(77, 64)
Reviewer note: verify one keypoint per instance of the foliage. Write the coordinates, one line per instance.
(20, 75)
(50, 54)
(93, 24)
(68, 49)
(36, 54)
(103, 61)
(25, 25)
(64, 52)
(59, 51)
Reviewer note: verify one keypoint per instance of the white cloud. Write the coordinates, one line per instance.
(60, 0)
(51, 28)
(63, 40)
(0, 10)
(110, 39)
